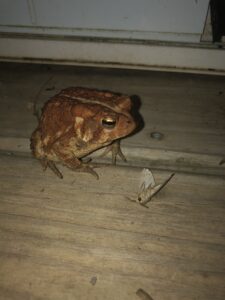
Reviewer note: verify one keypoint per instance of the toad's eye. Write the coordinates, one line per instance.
(109, 123)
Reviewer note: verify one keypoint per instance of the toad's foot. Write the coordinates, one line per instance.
(79, 166)
(87, 168)
(47, 163)
(116, 150)
(73, 164)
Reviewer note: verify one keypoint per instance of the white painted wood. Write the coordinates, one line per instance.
(45, 24)
(178, 57)
(175, 20)
(14, 13)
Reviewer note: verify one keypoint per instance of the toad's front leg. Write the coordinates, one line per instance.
(48, 163)
(116, 150)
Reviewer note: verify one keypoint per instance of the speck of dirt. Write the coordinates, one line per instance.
(93, 280)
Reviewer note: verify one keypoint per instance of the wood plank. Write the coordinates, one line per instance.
(187, 109)
(57, 235)
(136, 156)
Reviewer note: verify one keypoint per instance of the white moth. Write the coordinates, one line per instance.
(148, 187)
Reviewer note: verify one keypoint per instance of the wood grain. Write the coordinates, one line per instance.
(79, 238)
(187, 109)
(57, 234)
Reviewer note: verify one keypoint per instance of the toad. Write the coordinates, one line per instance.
(78, 121)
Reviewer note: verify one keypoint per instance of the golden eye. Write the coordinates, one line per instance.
(108, 123)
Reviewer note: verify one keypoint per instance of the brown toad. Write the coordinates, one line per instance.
(78, 121)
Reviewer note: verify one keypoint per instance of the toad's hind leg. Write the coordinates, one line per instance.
(48, 163)
(73, 163)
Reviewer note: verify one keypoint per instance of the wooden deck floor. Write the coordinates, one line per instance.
(79, 238)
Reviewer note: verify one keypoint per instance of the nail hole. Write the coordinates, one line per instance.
(157, 136)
